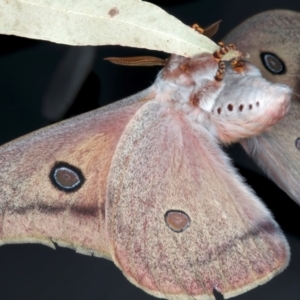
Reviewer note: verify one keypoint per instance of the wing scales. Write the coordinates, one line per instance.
(33, 210)
(165, 163)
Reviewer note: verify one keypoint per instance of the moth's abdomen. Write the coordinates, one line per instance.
(248, 105)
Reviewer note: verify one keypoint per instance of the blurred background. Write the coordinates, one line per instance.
(27, 67)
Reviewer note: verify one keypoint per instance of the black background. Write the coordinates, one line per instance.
(38, 272)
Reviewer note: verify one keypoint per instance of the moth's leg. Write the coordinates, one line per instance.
(221, 71)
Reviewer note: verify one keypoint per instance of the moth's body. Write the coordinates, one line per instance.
(151, 188)
(187, 86)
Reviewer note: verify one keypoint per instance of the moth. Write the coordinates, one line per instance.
(143, 182)
(272, 40)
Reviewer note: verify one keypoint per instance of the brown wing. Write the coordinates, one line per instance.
(272, 40)
(181, 222)
(53, 181)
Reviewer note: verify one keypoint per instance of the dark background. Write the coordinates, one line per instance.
(26, 66)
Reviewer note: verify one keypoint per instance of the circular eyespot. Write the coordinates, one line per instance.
(66, 177)
(273, 63)
(177, 220)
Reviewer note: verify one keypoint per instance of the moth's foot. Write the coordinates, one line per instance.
(198, 28)
(209, 31)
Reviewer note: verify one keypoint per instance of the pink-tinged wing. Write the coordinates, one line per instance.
(53, 181)
(272, 40)
(180, 221)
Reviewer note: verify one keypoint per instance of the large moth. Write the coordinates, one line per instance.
(143, 182)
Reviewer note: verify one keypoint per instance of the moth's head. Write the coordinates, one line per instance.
(189, 83)
(188, 71)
